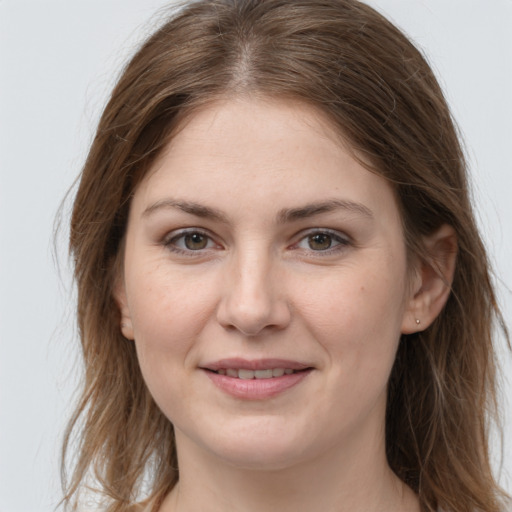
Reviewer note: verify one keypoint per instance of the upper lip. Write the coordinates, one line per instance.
(254, 364)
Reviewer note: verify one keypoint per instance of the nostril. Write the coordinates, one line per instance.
(251, 303)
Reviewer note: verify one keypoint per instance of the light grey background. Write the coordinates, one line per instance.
(58, 61)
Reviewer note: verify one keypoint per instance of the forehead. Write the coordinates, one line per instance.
(282, 153)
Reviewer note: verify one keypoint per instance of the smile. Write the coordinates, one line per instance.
(257, 379)
(245, 374)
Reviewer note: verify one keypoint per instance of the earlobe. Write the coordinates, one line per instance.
(126, 320)
(431, 284)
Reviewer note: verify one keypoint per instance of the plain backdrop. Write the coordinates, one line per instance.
(58, 62)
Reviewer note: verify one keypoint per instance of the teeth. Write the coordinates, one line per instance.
(263, 374)
(245, 374)
(255, 374)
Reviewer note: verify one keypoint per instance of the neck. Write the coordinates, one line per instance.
(355, 479)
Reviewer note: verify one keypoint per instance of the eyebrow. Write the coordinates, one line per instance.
(198, 210)
(310, 210)
(284, 216)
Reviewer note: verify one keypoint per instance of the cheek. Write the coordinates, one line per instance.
(356, 315)
(168, 311)
(358, 326)
(168, 315)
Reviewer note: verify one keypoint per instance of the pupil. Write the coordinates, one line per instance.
(195, 241)
(320, 242)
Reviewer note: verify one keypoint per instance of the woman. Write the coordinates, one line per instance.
(284, 302)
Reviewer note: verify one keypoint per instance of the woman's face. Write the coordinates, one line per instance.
(265, 286)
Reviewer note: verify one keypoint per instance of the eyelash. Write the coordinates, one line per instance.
(340, 242)
(171, 241)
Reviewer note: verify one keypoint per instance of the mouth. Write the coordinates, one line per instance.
(256, 379)
(246, 374)
(239, 368)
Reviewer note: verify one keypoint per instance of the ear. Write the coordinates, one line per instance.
(122, 303)
(431, 284)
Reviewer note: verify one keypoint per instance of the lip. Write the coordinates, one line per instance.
(256, 389)
(254, 364)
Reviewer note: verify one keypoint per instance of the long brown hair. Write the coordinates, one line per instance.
(348, 61)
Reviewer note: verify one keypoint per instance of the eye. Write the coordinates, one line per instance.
(322, 241)
(190, 241)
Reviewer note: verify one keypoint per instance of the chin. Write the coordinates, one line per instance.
(261, 457)
(259, 445)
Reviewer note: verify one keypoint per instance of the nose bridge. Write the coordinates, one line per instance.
(252, 300)
(251, 278)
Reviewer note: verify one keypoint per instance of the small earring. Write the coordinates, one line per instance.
(417, 322)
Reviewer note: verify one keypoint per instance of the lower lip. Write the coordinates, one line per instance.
(256, 389)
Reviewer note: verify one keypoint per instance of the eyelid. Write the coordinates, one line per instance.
(170, 238)
(342, 238)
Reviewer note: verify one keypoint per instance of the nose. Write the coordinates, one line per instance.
(253, 297)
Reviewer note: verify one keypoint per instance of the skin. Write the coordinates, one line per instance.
(266, 278)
